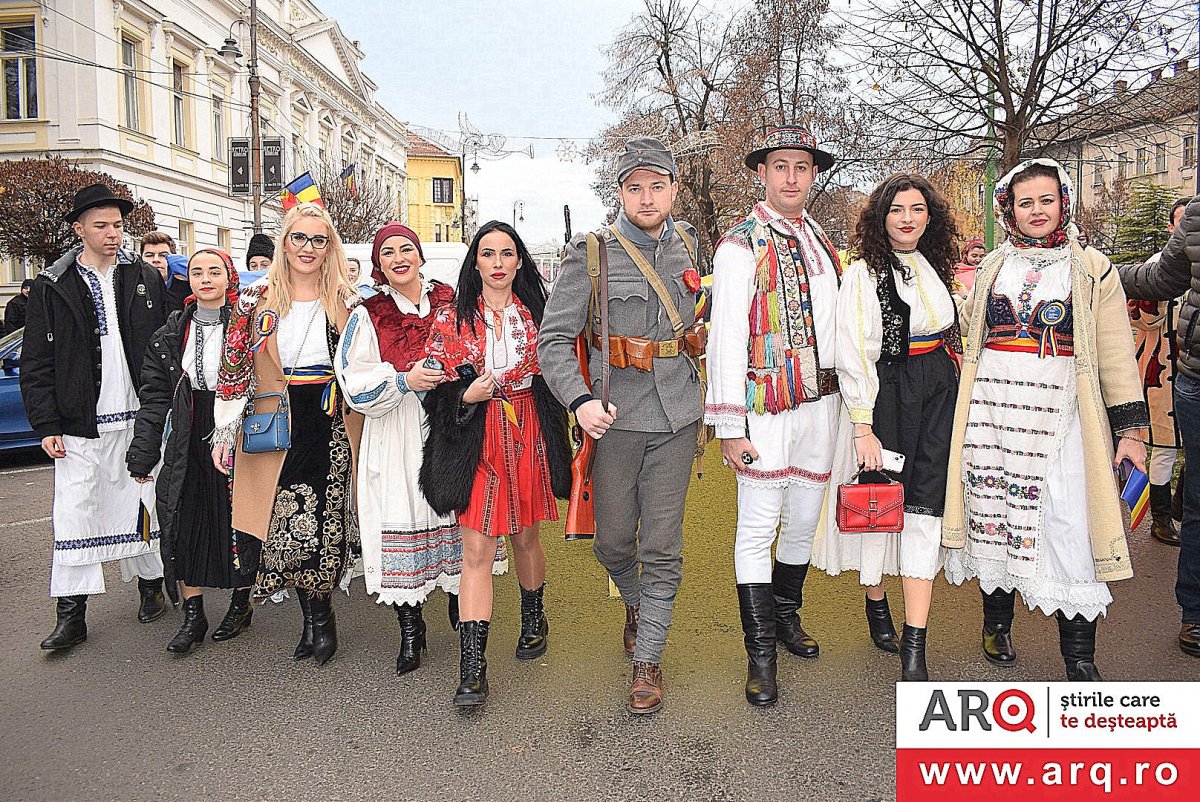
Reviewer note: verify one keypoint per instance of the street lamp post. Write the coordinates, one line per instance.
(231, 52)
(518, 206)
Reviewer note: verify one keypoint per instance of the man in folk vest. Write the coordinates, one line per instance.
(646, 439)
(773, 393)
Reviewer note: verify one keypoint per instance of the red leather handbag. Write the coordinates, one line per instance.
(870, 507)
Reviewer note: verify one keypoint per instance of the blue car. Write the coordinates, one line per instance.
(15, 431)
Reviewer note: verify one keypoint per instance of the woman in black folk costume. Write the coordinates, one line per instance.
(178, 382)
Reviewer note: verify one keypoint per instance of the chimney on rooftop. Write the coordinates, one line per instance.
(1120, 86)
(1180, 67)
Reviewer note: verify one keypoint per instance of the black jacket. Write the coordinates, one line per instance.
(60, 359)
(454, 444)
(1176, 272)
(166, 398)
(14, 313)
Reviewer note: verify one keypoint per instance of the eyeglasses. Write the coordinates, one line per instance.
(299, 240)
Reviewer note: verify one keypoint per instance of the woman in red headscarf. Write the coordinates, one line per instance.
(179, 377)
(408, 549)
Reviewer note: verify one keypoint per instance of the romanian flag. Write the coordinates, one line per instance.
(302, 189)
(1136, 494)
(347, 178)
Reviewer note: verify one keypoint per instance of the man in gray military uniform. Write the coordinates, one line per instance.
(646, 439)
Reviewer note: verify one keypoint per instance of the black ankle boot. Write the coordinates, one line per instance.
(534, 627)
(71, 627)
(412, 638)
(472, 667)
(237, 617)
(757, 604)
(787, 582)
(324, 628)
(997, 627)
(912, 655)
(304, 649)
(193, 629)
(452, 610)
(883, 631)
(1077, 642)
(153, 605)
(1162, 524)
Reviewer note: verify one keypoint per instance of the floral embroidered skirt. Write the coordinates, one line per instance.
(512, 482)
(313, 527)
(1024, 476)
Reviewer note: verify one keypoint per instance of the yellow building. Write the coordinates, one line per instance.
(435, 200)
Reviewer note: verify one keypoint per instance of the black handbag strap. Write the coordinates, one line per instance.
(891, 480)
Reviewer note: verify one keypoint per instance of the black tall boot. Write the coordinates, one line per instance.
(195, 625)
(237, 617)
(883, 631)
(1077, 642)
(412, 638)
(304, 649)
(324, 628)
(1162, 525)
(472, 666)
(788, 584)
(452, 610)
(534, 627)
(997, 627)
(152, 605)
(71, 627)
(757, 604)
(912, 655)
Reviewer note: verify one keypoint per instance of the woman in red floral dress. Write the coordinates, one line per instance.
(497, 452)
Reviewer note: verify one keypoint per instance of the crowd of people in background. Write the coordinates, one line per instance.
(297, 424)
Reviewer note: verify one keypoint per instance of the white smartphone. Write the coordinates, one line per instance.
(892, 461)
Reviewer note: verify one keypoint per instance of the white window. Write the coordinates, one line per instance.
(20, 71)
(129, 83)
(186, 240)
(1160, 157)
(178, 105)
(1122, 166)
(218, 127)
(1098, 175)
(1189, 151)
(223, 239)
(1143, 161)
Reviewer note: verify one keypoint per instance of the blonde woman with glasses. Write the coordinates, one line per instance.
(295, 493)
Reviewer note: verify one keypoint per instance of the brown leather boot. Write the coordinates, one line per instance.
(631, 626)
(646, 690)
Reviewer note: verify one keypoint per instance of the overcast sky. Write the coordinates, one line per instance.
(521, 68)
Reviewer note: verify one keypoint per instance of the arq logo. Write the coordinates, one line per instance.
(1011, 710)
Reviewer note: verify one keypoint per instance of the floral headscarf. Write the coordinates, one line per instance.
(1003, 201)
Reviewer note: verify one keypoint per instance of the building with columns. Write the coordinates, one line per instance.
(136, 89)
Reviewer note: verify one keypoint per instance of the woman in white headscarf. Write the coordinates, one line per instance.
(1049, 376)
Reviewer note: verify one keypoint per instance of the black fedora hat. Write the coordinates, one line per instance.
(788, 137)
(97, 195)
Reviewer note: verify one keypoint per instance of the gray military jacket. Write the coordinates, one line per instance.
(667, 398)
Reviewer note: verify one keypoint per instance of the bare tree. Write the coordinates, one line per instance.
(962, 77)
(360, 209)
(35, 194)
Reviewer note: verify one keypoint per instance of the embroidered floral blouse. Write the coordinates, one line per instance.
(512, 357)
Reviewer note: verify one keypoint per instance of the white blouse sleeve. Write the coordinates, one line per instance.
(371, 385)
(859, 341)
(728, 359)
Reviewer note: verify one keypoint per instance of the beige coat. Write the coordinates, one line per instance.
(1108, 385)
(256, 476)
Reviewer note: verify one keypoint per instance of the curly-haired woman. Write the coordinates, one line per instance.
(898, 341)
(1048, 375)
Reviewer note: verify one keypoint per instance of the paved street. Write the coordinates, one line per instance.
(120, 718)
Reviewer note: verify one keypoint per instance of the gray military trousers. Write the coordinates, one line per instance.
(640, 481)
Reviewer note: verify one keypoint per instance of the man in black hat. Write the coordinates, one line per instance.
(647, 437)
(773, 394)
(14, 310)
(91, 315)
(259, 252)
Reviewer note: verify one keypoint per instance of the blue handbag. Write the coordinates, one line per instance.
(267, 431)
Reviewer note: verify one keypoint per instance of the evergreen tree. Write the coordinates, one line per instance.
(1142, 229)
